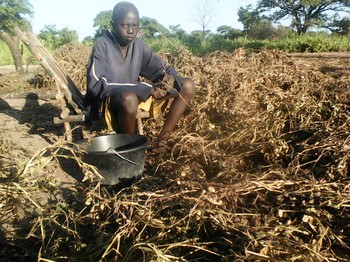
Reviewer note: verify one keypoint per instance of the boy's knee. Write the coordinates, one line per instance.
(129, 102)
(188, 87)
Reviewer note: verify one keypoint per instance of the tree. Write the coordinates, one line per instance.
(254, 24)
(304, 13)
(66, 36)
(194, 41)
(338, 26)
(102, 21)
(88, 41)
(228, 32)
(177, 31)
(203, 16)
(262, 30)
(12, 14)
(49, 35)
(55, 38)
(249, 17)
(150, 27)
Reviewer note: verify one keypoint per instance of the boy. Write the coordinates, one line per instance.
(117, 61)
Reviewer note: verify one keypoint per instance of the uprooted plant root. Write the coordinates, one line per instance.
(259, 170)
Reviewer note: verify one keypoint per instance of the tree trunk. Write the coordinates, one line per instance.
(15, 51)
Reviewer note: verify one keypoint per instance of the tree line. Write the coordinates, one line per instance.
(260, 22)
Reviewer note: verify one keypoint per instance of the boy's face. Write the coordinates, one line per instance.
(126, 28)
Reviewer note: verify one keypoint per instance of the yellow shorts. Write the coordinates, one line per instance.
(153, 106)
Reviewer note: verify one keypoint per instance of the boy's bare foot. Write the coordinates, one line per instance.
(161, 147)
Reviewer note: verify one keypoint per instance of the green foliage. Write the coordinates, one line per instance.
(215, 43)
(12, 13)
(164, 44)
(195, 42)
(103, 21)
(88, 41)
(319, 42)
(304, 13)
(6, 57)
(177, 32)
(311, 42)
(338, 25)
(283, 31)
(254, 24)
(228, 32)
(249, 17)
(53, 38)
(150, 28)
(262, 30)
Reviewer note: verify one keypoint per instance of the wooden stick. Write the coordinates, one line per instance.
(70, 118)
(50, 65)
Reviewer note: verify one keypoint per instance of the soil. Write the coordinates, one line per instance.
(26, 114)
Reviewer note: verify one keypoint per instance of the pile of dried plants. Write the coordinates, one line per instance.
(73, 59)
(259, 170)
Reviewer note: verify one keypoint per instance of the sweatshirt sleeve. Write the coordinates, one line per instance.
(154, 68)
(171, 71)
(99, 77)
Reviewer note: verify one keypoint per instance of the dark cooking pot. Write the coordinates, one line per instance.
(117, 156)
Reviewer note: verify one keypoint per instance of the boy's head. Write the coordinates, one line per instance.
(122, 8)
(125, 22)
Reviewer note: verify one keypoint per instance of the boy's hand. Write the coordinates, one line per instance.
(166, 84)
(168, 81)
(158, 93)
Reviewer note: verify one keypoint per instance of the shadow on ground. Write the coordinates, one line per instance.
(35, 116)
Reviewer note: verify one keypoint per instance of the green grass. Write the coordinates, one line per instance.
(6, 57)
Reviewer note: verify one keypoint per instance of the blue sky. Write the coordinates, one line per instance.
(79, 14)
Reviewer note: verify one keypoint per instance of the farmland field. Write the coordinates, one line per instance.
(259, 168)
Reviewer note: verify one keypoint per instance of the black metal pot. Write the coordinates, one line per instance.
(118, 157)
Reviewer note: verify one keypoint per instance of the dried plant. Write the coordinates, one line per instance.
(259, 170)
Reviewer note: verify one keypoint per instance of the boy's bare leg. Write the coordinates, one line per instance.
(124, 106)
(176, 111)
(126, 122)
